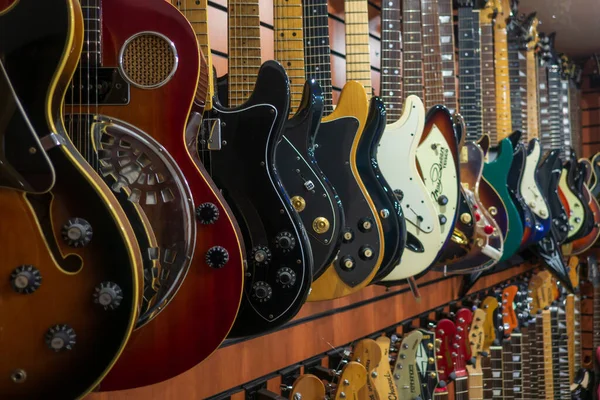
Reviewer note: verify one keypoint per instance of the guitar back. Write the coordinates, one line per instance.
(79, 271)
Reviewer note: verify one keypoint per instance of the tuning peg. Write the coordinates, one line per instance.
(452, 376)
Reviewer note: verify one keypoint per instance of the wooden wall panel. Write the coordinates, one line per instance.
(590, 107)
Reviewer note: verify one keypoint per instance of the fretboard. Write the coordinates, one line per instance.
(244, 49)
(91, 54)
(544, 104)
(475, 382)
(560, 353)
(432, 61)
(358, 54)
(196, 12)
(488, 81)
(469, 67)
(570, 310)
(577, 333)
(575, 116)
(515, 85)
(554, 107)
(289, 45)
(486, 369)
(496, 365)
(503, 115)
(441, 394)
(316, 48)
(412, 48)
(596, 322)
(461, 387)
(527, 364)
(565, 114)
(391, 59)
(523, 94)
(516, 340)
(446, 31)
(548, 384)
(507, 370)
(533, 123)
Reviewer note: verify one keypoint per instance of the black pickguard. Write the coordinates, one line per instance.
(333, 152)
(33, 44)
(575, 181)
(386, 203)
(549, 176)
(515, 177)
(302, 177)
(244, 169)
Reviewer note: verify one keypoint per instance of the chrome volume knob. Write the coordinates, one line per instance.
(61, 338)
(25, 279)
(108, 295)
(217, 257)
(207, 213)
(77, 232)
(261, 255)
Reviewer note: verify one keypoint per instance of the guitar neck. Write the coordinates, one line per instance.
(516, 340)
(496, 366)
(358, 54)
(507, 370)
(560, 353)
(461, 387)
(503, 114)
(413, 48)
(488, 82)
(486, 369)
(554, 109)
(317, 55)
(475, 382)
(432, 61)
(533, 124)
(575, 115)
(514, 66)
(244, 49)
(289, 45)
(544, 105)
(570, 319)
(577, 333)
(548, 362)
(196, 12)
(446, 31)
(391, 59)
(596, 317)
(526, 361)
(470, 71)
(91, 53)
(565, 120)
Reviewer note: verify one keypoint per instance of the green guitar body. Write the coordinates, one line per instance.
(496, 173)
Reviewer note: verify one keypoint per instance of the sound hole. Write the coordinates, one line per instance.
(148, 60)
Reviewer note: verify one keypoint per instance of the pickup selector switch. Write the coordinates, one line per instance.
(25, 279)
(262, 291)
(285, 241)
(286, 277)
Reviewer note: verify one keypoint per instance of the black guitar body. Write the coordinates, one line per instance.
(280, 267)
(548, 249)
(312, 195)
(576, 181)
(333, 152)
(388, 206)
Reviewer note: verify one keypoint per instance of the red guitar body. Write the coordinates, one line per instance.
(202, 312)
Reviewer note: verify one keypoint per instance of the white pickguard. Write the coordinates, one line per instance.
(439, 170)
(398, 163)
(529, 188)
(575, 206)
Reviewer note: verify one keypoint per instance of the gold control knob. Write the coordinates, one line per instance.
(299, 203)
(321, 225)
(493, 211)
(466, 218)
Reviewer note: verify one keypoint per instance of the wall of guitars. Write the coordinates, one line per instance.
(294, 199)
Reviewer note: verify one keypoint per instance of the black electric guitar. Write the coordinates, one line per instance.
(71, 264)
(280, 263)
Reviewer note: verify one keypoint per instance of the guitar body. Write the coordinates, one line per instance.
(530, 235)
(496, 172)
(387, 204)
(280, 261)
(579, 246)
(596, 182)
(57, 340)
(311, 193)
(531, 191)
(399, 143)
(437, 157)
(336, 145)
(573, 203)
(579, 188)
(161, 111)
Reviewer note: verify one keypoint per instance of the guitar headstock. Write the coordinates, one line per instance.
(426, 363)
(490, 306)
(533, 37)
(368, 353)
(574, 271)
(509, 317)
(307, 387)
(487, 14)
(504, 14)
(406, 373)
(476, 334)
(592, 268)
(445, 331)
(461, 345)
(352, 379)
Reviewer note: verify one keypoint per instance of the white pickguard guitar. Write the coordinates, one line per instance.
(397, 158)
(529, 188)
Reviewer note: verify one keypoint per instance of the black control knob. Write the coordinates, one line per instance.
(207, 213)
(77, 232)
(217, 257)
(399, 194)
(261, 255)
(285, 241)
(442, 219)
(262, 291)
(25, 279)
(109, 295)
(442, 200)
(365, 224)
(61, 338)
(286, 277)
(347, 263)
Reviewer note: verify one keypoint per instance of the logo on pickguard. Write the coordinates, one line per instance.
(436, 172)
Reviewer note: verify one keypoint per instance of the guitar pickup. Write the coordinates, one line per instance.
(211, 133)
